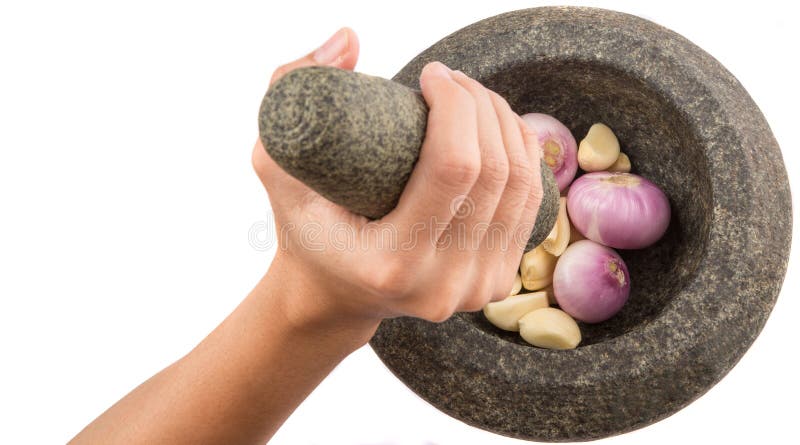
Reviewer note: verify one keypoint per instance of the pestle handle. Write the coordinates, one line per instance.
(354, 139)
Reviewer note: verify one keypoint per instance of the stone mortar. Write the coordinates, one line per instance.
(699, 297)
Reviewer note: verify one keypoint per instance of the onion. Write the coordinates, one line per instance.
(559, 149)
(619, 210)
(591, 282)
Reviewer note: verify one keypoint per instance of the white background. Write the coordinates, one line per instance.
(126, 197)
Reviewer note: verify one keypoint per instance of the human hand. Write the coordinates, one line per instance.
(455, 239)
(453, 243)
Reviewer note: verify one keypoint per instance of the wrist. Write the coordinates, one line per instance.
(310, 308)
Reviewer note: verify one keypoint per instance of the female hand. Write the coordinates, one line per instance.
(453, 243)
(455, 239)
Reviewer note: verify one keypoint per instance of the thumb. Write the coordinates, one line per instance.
(340, 51)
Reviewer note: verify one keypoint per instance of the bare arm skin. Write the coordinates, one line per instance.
(243, 380)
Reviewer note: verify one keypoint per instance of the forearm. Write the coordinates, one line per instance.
(242, 382)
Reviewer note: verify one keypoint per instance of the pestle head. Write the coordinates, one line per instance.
(354, 139)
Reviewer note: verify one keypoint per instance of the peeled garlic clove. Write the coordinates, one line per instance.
(517, 286)
(550, 328)
(621, 165)
(506, 314)
(551, 295)
(536, 268)
(599, 149)
(558, 239)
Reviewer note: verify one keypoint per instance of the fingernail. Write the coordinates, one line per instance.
(331, 50)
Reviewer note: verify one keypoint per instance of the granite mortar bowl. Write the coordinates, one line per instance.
(699, 297)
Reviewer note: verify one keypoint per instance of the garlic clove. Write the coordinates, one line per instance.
(621, 165)
(599, 149)
(551, 295)
(550, 328)
(536, 268)
(506, 314)
(517, 286)
(574, 234)
(558, 239)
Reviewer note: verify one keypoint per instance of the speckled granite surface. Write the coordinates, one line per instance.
(700, 296)
(355, 139)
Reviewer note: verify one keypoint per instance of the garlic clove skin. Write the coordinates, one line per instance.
(557, 241)
(599, 149)
(536, 268)
(517, 286)
(550, 328)
(506, 314)
(621, 165)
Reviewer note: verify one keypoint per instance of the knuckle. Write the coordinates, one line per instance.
(529, 135)
(442, 300)
(439, 313)
(491, 291)
(521, 176)
(388, 278)
(496, 170)
(474, 305)
(498, 294)
(536, 194)
(459, 169)
(498, 297)
(521, 164)
(534, 201)
(484, 293)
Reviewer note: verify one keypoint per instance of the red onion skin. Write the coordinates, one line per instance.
(591, 282)
(619, 210)
(550, 129)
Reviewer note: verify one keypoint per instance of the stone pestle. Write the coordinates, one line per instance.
(355, 138)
